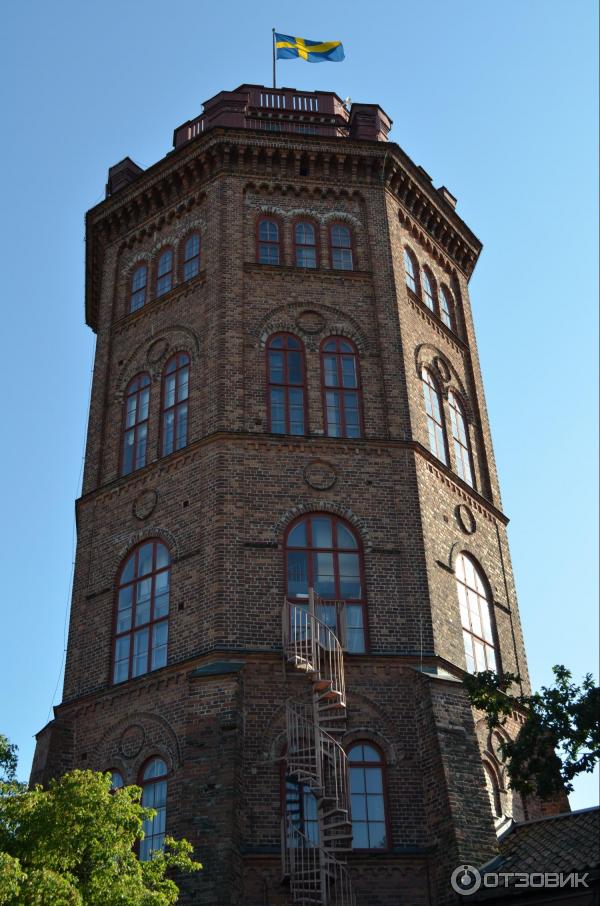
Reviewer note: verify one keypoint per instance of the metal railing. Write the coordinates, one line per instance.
(311, 645)
(316, 877)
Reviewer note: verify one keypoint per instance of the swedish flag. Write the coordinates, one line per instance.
(311, 51)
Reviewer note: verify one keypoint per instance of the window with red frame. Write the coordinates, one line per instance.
(447, 307)
(269, 251)
(435, 421)
(429, 293)
(340, 243)
(286, 384)
(305, 244)
(175, 391)
(164, 272)
(411, 269)
(191, 256)
(139, 283)
(116, 780)
(154, 795)
(367, 797)
(475, 604)
(341, 387)
(323, 553)
(141, 626)
(301, 814)
(135, 424)
(460, 436)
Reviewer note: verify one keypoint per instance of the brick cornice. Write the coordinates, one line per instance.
(346, 163)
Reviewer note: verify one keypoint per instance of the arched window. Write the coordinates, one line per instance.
(322, 552)
(116, 780)
(269, 251)
(139, 282)
(175, 403)
(142, 619)
(164, 272)
(412, 271)
(493, 790)
(447, 307)
(462, 453)
(475, 613)
(135, 424)
(367, 797)
(340, 245)
(433, 409)
(191, 256)
(154, 795)
(429, 293)
(305, 245)
(286, 375)
(341, 387)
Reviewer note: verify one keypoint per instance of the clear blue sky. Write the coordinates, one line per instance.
(498, 101)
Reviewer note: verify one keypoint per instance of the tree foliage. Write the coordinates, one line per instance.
(561, 734)
(73, 845)
(8, 760)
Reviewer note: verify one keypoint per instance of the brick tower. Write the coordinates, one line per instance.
(290, 538)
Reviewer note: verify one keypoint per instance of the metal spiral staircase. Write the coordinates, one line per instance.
(316, 760)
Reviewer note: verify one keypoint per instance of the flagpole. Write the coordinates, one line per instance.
(274, 64)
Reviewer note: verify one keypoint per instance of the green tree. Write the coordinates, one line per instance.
(561, 734)
(72, 844)
(8, 760)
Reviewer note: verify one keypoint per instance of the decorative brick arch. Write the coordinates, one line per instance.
(153, 352)
(151, 531)
(132, 740)
(367, 733)
(319, 505)
(429, 356)
(335, 322)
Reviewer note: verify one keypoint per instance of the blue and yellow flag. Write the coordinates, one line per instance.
(311, 51)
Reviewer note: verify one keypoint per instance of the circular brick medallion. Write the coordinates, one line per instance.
(320, 475)
(157, 350)
(465, 519)
(310, 321)
(144, 504)
(132, 740)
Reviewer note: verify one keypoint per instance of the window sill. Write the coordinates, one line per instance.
(178, 290)
(435, 318)
(319, 272)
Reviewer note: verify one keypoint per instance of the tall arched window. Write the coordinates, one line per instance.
(429, 293)
(341, 387)
(493, 790)
(462, 452)
(139, 282)
(412, 271)
(174, 423)
(269, 244)
(433, 409)
(191, 256)
(135, 424)
(164, 272)
(142, 618)
(154, 795)
(323, 552)
(305, 245)
(475, 604)
(340, 245)
(367, 797)
(447, 307)
(286, 376)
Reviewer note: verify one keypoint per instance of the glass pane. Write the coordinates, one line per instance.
(294, 367)
(145, 559)
(360, 835)
(377, 837)
(121, 671)
(375, 808)
(276, 367)
(357, 780)
(140, 652)
(169, 390)
(350, 586)
(277, 399)
(297, 537)
(297, 574)
(374, 781)
(358, 804)
(127, 573)
(192, 246)
(321, 531)
(159, 645)
(330, 370)
(306, 257)
(162, 556)
(486, 623)
(116, 781)
(479, 655)
(181, 426)
(491, 658)
(323, 575)
(154, 768)
(356, 753)
(161, 595)
(296, 398)
(355, 634)
(370, 754)
(349, 371)
(333, 414)
(122, 649)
